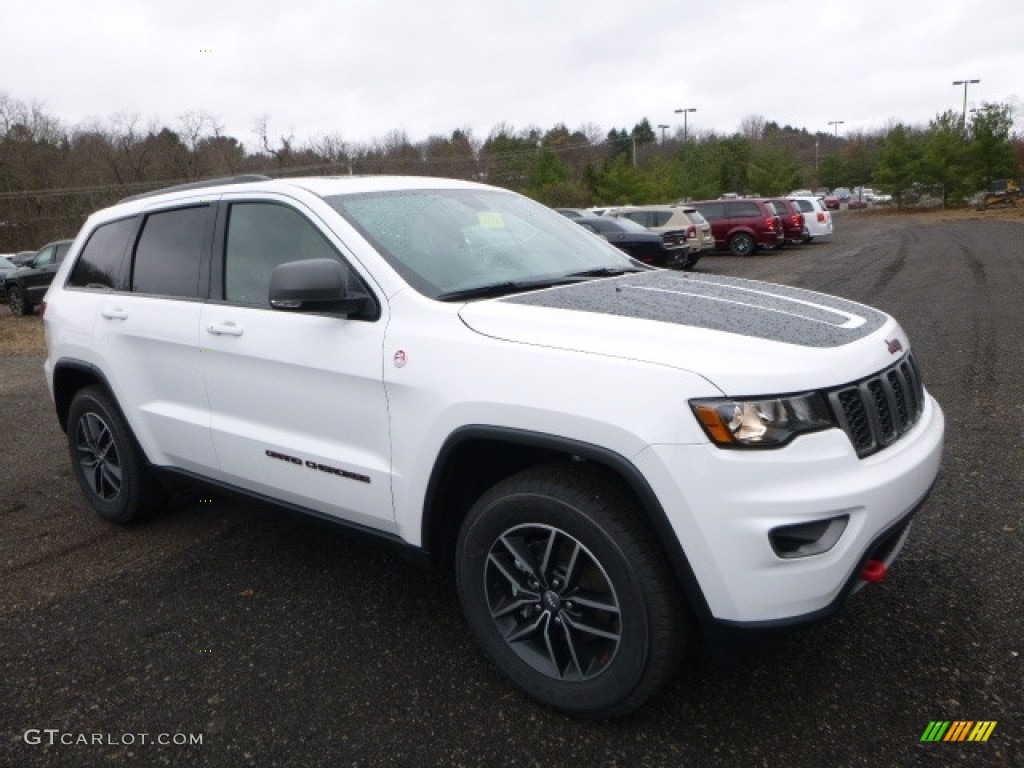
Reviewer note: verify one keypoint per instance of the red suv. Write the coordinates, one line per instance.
(742, 226)
(793, 229)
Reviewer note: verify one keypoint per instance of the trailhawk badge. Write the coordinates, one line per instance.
(894, 346)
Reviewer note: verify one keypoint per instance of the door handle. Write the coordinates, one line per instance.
(224, 329)
(114, 313)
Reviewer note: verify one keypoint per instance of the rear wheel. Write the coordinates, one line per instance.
(17, 301)
(742, 244)
(107, 462)
(565, 592)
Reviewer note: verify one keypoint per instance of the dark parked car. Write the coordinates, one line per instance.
(793, 229)
(6, 267)
(665, 249)
(742, 225)
(27, 285)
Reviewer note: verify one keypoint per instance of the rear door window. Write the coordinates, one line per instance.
(170, 251)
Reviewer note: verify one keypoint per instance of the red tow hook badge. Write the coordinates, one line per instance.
(874, 571)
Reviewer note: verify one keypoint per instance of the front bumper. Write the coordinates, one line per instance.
(724, 521)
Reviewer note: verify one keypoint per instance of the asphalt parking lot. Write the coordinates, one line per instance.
(278, 642)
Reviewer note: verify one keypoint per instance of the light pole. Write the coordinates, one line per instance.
(663, 127)
(965, 83)
(835, 167)
(685, 111)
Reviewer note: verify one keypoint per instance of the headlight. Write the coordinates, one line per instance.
(764, 422)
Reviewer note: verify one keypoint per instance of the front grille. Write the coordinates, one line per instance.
(875, 412)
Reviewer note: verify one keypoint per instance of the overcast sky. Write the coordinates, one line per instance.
(359, 70)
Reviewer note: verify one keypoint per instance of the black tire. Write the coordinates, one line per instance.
(742, 244)
(17, 301)
(806, 237)
(107, 461)
(585, 616)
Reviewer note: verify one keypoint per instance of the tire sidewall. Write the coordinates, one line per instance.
(127, 505)
(494, 515)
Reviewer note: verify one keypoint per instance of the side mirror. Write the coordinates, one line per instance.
(314, 285)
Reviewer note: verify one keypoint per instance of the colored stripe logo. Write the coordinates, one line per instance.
(958, 730)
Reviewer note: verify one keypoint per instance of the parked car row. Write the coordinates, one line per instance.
(740, 225)
(24, 286)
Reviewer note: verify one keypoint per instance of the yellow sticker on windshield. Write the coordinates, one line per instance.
(491, 220)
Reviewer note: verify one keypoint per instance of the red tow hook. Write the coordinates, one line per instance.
(874, 571)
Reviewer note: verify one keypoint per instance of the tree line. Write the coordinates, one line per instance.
(53, 176)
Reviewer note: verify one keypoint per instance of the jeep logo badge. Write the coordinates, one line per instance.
(894, 346)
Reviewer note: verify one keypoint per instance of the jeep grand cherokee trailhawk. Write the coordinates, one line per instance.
(609, 456)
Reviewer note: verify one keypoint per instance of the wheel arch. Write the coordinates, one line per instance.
(71, 376)
(474, 458)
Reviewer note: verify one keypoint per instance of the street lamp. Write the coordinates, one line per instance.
(965, 83)
(685, 111)
(835, 168)
(663, 127)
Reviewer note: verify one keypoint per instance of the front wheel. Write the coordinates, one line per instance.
(107, 462)
(17, 301)
(742, 244)
(567, 593)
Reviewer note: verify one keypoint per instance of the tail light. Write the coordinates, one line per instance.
(691, 232)
(822, 217)
(769, 223)
(796, 220)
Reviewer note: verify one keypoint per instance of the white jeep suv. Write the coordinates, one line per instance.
(609, 456)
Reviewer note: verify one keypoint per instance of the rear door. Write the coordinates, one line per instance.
(298, 409)
(150, 272)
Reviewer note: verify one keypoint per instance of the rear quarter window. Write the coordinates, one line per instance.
(100, 264)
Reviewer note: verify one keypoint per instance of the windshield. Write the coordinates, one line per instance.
(449, 241)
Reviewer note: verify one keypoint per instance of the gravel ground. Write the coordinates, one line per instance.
(279, 642)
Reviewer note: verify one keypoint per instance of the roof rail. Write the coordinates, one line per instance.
(242, 179)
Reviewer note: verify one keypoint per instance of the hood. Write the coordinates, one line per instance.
(746, 337)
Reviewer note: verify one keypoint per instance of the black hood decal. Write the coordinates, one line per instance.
(745, 307)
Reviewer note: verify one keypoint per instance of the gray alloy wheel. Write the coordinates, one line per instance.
(552, 602)
(742, 244)
(98, 460)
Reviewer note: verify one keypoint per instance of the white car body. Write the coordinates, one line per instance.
(352, 420)
(817, 218)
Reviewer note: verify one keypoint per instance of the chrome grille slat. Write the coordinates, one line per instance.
(878, 410)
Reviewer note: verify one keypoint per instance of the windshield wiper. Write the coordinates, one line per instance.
(606, 272)
(505, 288)
(518, 286)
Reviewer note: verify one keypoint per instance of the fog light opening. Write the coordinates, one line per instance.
(806, 539)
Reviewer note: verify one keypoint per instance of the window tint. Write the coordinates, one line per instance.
(804, 205)
(61, 251)
(743, 210)
(261, 236)
(44, 257)
(99, 265)
(659, 218)
(713, 210)
(169, 251)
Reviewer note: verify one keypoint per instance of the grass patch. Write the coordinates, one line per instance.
(20, 335)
